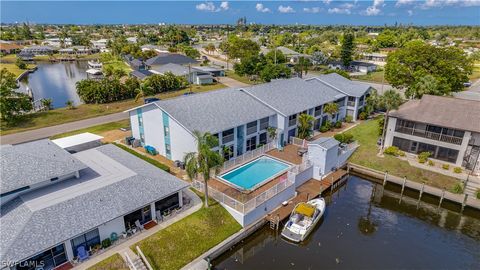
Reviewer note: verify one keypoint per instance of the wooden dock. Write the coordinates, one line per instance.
(309, 190)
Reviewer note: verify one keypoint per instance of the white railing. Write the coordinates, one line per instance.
(297, 141)
(144, 259)
(247, 156)
(130, 264)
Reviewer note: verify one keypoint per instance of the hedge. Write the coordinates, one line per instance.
(147, 159)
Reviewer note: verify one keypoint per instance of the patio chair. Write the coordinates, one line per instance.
(113, 237)
(159, 216)
(138, 225)
(82, 253)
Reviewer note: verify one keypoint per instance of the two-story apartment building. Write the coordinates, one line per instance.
(448, 128)
(239, 117)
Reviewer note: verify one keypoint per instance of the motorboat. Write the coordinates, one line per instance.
(303, 219)
(93, 71)
(95, 64)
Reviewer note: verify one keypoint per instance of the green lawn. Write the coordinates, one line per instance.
(376, 76)
(114, 262)
(145, 158)
(239, 78)
(84, 111)
(14, 69)
(185, 240)
(118, 64)
(366, 155)
(95, 129)
(476, 72)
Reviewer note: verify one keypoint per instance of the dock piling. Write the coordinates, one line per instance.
(385, 178)
(441, 198)
(403, 188)
(464, 203)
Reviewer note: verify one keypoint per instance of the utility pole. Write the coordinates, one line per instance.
(190, 77)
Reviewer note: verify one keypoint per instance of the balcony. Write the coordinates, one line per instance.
(430, 135)
(351, 103)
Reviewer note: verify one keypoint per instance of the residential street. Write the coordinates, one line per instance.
(46, 132)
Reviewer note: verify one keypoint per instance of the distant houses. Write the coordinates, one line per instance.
(38, 50)
(291, 55)
(78, 50)
(355, 66)
(100, 44)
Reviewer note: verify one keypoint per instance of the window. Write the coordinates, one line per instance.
(167, 203)
(340, 102)
(402, 144)
(262, 139)
(425, 147)
(252, 143)
(166, 130)
(318, 110)
(292, 120)
(227, 136)
(434, 129)
(50, 259)
(264, 123)
(227, 152)
(251, 127)
(87, 240)
(168, 149)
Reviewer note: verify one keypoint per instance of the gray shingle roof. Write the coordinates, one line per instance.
(165, 58)
(342, 84)
(176, 69)
(215, 111)
(28, 229)
(34, 162)
(294, 95)
(325, 142)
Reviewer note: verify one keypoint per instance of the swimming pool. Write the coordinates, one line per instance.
(255, 173)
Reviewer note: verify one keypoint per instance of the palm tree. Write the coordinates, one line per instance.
(390, 100)
(305, 124)
(46, 103)
(204, 160)
(143, 90)
(330, 108)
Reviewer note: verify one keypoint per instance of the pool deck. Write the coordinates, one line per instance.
(289, 154)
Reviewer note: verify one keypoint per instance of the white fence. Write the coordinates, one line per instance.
(298, 142)
(247, 156)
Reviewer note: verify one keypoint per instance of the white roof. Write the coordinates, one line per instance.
(77, 140)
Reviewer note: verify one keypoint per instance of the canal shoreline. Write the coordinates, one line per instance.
(203, 261)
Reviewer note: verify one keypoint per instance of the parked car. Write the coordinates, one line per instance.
(150, 100)
(467, 84)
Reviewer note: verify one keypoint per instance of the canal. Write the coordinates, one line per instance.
(367, 227)
(55, 81)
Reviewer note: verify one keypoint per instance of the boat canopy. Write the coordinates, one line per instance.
(305, 209)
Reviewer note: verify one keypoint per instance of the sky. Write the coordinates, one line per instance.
(322, 12)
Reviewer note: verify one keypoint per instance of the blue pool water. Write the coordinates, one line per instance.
(255, 172)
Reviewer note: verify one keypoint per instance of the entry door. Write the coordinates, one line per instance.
(146, 214)
(291, 133)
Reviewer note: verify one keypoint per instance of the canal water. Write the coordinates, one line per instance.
(55, 81)
(367, 227)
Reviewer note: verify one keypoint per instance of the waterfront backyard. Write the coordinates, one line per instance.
(366, 134)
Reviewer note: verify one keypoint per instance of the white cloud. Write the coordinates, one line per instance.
(404, 2)
(261, 8)
(327, 2)
(347, 5)
(339, 11)
(312, 10)
(374, 9)
(210, 7)
(410, 12)
(441, 3)
(287, 9)
(224, 5)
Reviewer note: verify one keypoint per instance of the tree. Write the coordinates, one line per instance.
(305, 124)
(319, 58)
(448, 68)
(236, 47)
(302, 66)
(143, 90)
(390, 100)
(271, 71)
(20, 63)
(69, 105)
(276, 57)
(204, 160)
(12, 103)
(209, 48)
(386, 39)
(372, 102)
(347, 50)
(330, 108)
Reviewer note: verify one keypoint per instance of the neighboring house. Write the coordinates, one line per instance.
(376, 58)
(132, 40)
(355, 66)
(191, 74)
(158, 49)
(448, 128)
(100, 44)
(58, 42)
(54, 202)
(140, 74)
(216, 72)
(9, 48)
(137, 64)
(240, 117)
(38, 50)
(78, 50)
(291, 55)
(167, 58)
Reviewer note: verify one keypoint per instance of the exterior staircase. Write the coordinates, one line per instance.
(134, 261)
(473, 184)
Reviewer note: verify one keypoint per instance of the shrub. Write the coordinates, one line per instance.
(380, 126)
(401, 153)
(457, 170)
(344, 137)
(430, 163)
(446, 166)
(362, 116)
(106, 243)
(391, 150)
(338, 124)
(348, 119)
(147, 159)
(324, 129)
(477, 194)
(423, 157)
(457, 188)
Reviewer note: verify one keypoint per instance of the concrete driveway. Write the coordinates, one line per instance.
(231, 82)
